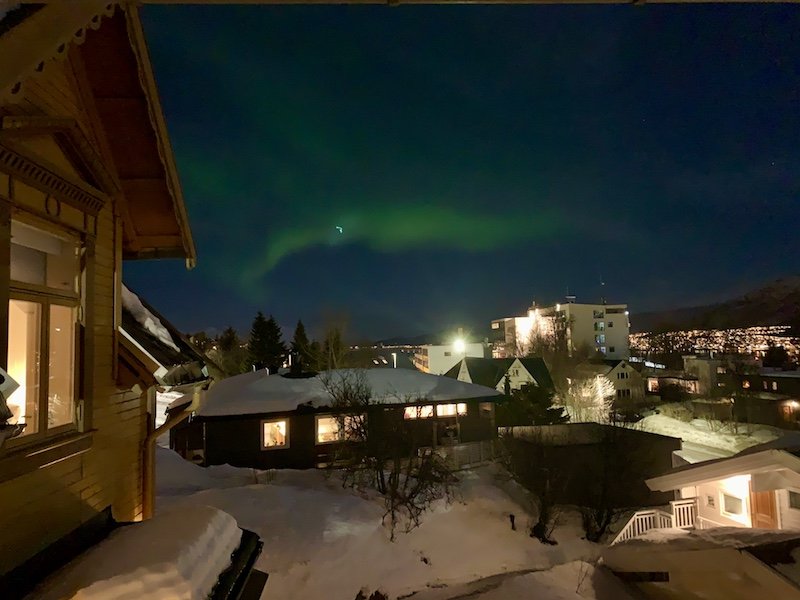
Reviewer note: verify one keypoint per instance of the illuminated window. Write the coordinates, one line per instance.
(745, 384)
(732, 505)
(275, 434)
(418, 412)
(774, 386)
(42, 318)
(652, 384)
(451, 410)
(329, 428)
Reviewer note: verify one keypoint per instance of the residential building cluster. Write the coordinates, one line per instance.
(747, 340)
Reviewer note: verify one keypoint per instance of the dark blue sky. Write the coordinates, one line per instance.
(475, 157)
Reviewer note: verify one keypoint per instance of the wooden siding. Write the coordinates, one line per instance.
(40, 507)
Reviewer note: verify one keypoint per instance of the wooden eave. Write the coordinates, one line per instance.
(119, 74)
(137, 367)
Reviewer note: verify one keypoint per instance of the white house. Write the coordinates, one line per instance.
(627, 381)
(757, 488)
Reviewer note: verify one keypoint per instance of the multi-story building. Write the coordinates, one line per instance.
(602, 328)
(438, 359)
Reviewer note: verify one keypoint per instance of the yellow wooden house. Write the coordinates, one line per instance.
(87, 181)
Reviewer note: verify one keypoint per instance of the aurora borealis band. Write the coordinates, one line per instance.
(419, 167)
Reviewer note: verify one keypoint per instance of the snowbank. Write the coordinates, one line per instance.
(176, 555)
(259, 392)
(146, 319)
(699, 432)
(176, 476)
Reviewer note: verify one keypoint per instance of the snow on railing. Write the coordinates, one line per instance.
(683, 516)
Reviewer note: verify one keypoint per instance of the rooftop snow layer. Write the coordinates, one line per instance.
(698, 539)
(259, 392)
(177, 554)
(146, 319)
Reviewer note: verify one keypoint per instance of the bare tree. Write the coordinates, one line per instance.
(589, 399)
(379, 449)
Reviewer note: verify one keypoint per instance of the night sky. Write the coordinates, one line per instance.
(475, 158)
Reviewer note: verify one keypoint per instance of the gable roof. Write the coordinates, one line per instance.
(483, 371)
(110, 43)
(538, 370)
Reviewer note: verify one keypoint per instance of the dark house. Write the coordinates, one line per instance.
(283, 421)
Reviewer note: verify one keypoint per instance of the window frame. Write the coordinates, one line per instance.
(723, 509)
(793, 494)
(287, 442)
(46, 297)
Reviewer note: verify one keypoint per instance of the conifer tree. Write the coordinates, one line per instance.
(258, 344)
(301, 347)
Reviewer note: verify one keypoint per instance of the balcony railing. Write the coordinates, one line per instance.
(683, 515)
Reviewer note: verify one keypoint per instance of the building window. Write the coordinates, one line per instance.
(485, 409)
(794, 500)
(731, 505)
(598, 314)
(774, 386)
(612, 349)
(42, 325)
(448, 354)
(603, 349)
(451, 410)
(764, 384)
(275, 434)
(418, 412)
(710, 501)
(623, 393)
(745, 384)
(652, 384)
(721, 370)
(611, 323)
(337, 429)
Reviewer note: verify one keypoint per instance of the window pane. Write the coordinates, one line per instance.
(732, 504)
(446, 410)
(275, 434)
(24, 319)
(40, 258)
(418, 412)
(327, 430)
(61, 383)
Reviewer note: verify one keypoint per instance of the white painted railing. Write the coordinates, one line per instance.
(684, 513)
(683, 516)
(703, 523)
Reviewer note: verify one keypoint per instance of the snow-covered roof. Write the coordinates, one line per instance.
(146, 319)
(259, 392)
(699, 539)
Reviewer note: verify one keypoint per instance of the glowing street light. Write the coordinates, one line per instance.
(459, 347)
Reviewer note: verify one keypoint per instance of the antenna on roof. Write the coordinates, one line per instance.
(602, 290)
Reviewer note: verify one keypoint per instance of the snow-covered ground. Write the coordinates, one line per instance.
(700, 433)
(322, 541)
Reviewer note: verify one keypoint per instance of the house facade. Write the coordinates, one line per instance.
(87, 179)
(627, 382)
(503, 374)
(282, 421)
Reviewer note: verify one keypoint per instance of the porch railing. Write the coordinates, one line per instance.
(683, 515)
(462, 456)
(703, 523)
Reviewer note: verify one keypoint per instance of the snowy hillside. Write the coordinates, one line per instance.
(325, 542)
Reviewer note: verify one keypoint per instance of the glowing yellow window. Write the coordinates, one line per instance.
(275, 434)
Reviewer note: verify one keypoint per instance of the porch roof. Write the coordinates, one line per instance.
(763, 461)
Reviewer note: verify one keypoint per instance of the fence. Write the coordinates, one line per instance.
(470, 454)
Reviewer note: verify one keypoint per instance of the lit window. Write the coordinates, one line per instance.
(451, 410)
(774, 386)
(275, 434)
(745, 384)
(732, 505)
(794, 499)
(418, 412)
(42, 317)
(329, 429)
